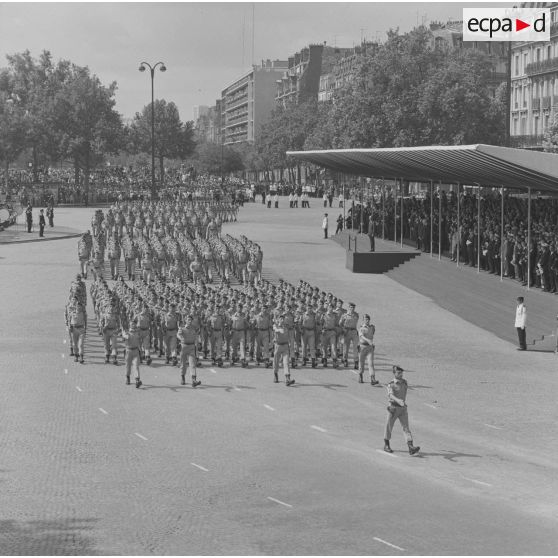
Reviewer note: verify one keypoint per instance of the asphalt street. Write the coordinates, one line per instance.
(243, 466)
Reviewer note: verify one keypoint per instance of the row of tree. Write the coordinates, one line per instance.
(63, 113)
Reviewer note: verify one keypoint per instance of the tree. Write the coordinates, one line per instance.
(12, 131)
(173, 139)
(83, 114)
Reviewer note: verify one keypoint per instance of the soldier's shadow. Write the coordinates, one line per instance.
(449, 455)
(188, 386)
(328, 386)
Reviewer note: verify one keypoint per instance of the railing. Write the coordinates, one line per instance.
(542, 67)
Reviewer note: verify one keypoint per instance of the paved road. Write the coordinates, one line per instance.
(244, 466)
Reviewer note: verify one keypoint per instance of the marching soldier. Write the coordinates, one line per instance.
(366, 341)
(282, 352)
(109, 328)
(216, 325)
(188, 335)
(170, 328)
(329, 335)
(397, 409)
(78, 328)
(85, 243)
(309, 336)
(114, 253)
(131, 339)
(239, 325)
(145, 320)
(349, 323)
(263, 327)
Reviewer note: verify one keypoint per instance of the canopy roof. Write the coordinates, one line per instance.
(486, 165)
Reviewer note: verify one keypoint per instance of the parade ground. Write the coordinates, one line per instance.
(243, 466)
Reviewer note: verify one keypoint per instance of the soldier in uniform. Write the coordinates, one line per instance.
(349, 323)
(114, 253)
(366, 340)
(329, 336)
(239, 325)
(282, 351)
(109, 328)
(170, 328)
(78, 327)
(188, 358)
(84, 252)
(144, 319)
(196, 269)
(262, 321)
(131, 339)
(308, 325)
(216, 326)
(397, 409)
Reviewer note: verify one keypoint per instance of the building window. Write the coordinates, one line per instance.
(516, 64)
(548, 52)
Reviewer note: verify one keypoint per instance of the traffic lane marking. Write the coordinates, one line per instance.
(495, 427)
(269, 407)
(386, 453)
(140, 436)
(200, 467)
(431, 406)
(318, 428)
(78, 388)
(65, 370)
(388, 543)
(482, 483)
(279, 502)
(103, 411)
(212, 370)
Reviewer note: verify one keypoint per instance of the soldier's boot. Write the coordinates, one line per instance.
(355, 366)
(174, 361)
(213, 361)
(324, 362)
(314, 363)
(220, 362)
(76, 357)
(138, 383)
(127, 380)
(297, 354)
(81, 359)
(360, 378)
(334, 363)
(160, 353)
(183, 380)
(195, 382)
(288, 381)
(275, 377)
(345, 362)
(387, 446)
(114, 359)
(148, 360)
(304, 361)
(267, 363)
(293, 362)
(413, 449)
(373, 381)
(71, 351)
(106, 359)
(243, 363)
(167, 360)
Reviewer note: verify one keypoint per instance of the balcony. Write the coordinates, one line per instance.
(527, 141)
(542, 67)
(546, 102)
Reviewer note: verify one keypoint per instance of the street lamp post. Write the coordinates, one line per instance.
(142, 68)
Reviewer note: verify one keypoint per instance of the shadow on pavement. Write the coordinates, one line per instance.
(66, 537)
(449, 455)
(328, 386)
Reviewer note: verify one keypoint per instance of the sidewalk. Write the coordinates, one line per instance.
(18, 233)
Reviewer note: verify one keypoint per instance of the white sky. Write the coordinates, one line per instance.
(200, 43)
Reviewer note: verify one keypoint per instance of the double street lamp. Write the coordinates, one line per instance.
(162, 68)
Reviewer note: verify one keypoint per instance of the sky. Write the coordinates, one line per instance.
(205, 46)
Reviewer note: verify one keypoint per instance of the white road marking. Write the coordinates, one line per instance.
(212, 370)
(65, 370)
(63, 355)
(431, 406)
(477, 481)
(237, 388)
(140, 436)
(268, 407)
(389, 544)
(495, 427)
(200, 467)
(78, 388)
(318, 428)
(103, 411)
(279, 502)
(355, 371)
(64, 341)
(386, 453)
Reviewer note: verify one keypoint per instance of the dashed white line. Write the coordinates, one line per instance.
(237, 388)
(388, 543)
(269, 407)
(64, 341)
(477, 481)
(78, 388)
(213, 370)
(200, 467)
(103, 411)
(495, 427)
(279, 502)
(431, 406)
(140, 436)
(63, 355)
(318, 428)
(382, 452)
(65, 370)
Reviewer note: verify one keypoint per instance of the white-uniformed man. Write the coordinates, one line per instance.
(349, 323)
(188, 335)
(282, 352)
(366, 340)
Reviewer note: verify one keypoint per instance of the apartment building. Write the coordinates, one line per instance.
(247, 102)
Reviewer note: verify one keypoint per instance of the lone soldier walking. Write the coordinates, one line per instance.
(366, 340)
(325, 224)
(188, 359)
(131, 339)
(520, 323)
(282, 352)
(397, 409)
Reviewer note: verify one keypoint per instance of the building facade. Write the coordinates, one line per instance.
(247, 102)
(534, 88)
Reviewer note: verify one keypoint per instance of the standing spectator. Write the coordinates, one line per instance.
(341, 200)
(325, 224)
(339, 224)
(371, 234)
(276, 200)
(50, 215)
(325, 199)
(520, 323)
(29, 217)
(42, 223)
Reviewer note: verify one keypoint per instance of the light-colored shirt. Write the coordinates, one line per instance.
(520, 315)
